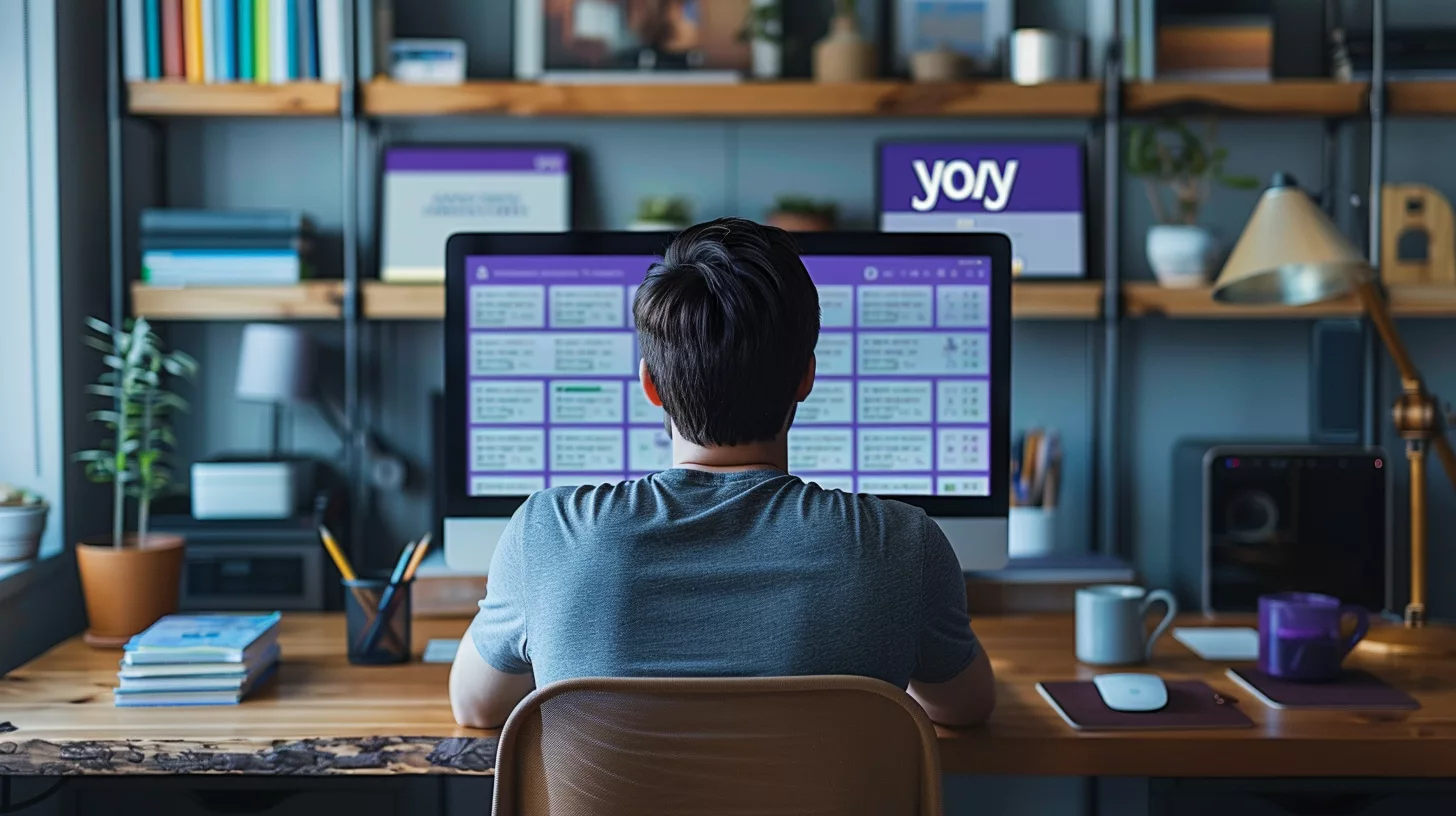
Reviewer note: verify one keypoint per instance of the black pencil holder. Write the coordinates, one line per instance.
(391, 642)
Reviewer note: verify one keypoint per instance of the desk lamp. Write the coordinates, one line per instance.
(1291, 254)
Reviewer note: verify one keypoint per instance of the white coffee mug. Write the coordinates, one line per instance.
(1110, 624)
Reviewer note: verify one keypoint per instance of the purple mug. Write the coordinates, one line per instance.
(1300, 635)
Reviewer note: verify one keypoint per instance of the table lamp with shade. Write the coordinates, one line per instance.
(1291, 254)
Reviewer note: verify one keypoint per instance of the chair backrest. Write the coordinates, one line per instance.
(711, 746)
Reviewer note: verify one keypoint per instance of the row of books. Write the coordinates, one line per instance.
(186, 660)
(226, 247)
(262, 41)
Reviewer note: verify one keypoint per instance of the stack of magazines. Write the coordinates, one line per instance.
(198, 660)
(226, 247)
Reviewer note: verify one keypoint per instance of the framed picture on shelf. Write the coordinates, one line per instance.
(1032, 190)
(430, 192)
(974, 29)
(631, 40)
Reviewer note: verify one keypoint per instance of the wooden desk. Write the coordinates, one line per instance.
(323, 716)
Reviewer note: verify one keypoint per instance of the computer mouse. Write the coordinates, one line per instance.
(1132, 691)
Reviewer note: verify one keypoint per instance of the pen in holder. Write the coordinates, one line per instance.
(378, 632)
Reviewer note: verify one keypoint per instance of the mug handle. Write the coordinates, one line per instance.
(1172, 603)
(1362, 625)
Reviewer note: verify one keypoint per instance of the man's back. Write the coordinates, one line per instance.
(693, 573)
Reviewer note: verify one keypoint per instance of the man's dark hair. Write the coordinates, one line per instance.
(728, 321)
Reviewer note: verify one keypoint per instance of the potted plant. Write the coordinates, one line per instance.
(662, 214)
(1169, 156)
(844, 55)
(22, 523)
(129, 580)
(799, 213)
(763, 30)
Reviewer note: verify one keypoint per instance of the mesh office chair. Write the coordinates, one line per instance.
(709, 746)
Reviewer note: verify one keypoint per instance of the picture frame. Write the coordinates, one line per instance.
(429, 191)
(976, 29)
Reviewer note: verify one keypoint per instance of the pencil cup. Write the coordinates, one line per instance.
(362, 598)
(1029, 532)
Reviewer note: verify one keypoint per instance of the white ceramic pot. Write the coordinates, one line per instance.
(20, 531)
(1181, 255)
(654, 226)
(1030, 532)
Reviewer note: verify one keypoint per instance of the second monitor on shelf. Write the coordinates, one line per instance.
(911, 398)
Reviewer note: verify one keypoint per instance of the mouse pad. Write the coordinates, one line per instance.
(1191, 704)
(1354, 689)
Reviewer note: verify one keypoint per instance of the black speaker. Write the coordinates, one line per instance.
(1336, 385)
(1301, 39)
(1250, 519)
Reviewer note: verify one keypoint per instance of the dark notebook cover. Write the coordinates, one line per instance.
(1191, 704)
(1356, 689)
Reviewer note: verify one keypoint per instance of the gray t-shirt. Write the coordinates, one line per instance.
(688, 573)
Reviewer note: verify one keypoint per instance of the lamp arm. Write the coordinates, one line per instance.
(1379, 312)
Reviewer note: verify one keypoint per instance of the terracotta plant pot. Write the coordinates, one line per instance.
(128, 588)
(845, 55)
(800, 222)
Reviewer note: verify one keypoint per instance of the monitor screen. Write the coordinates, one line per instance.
(1032, 191)
(901, 402)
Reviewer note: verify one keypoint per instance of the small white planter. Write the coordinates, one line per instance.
(21, 528)
(654, 226)
(1181, 255)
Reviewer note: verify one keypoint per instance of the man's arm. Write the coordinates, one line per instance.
(492, 670)
(966, 699)
(482, 696)
(952, 680)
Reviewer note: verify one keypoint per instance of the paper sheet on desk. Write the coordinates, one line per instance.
(1220, 642)
(441, 650)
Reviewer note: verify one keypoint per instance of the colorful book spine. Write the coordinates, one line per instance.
(306, 13)
(174, 63)
(224, 21)
(291, 38)
(331, 40)
(152, 32)
(133, 42)
(192, 38)
(279, 43)
(209, 42)
(246, 47)
(262, 65)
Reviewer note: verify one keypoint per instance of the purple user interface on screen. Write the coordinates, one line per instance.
(901, 402)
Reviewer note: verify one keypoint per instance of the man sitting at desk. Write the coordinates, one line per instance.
(723, 565)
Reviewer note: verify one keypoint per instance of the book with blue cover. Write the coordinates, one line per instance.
(204, 639)
(196, 696)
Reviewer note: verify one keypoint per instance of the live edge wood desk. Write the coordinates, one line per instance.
(324, 716)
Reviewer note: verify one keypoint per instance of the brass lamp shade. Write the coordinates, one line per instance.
(1289, 254)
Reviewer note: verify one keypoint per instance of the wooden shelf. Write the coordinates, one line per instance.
(174, 98)
(1056, 300)
(1050, 300)
(1421, 98)
(1148, 299)
(750, 99)
(1284, 97)
(311, 300)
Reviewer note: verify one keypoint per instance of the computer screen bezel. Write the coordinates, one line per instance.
(997, 247)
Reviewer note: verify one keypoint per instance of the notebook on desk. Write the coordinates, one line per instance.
(1192, 704)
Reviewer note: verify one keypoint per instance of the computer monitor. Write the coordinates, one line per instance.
(911, 399)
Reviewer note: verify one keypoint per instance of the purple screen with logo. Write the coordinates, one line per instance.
(1031, 191)
(901, 402)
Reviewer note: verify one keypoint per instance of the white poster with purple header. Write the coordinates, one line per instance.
(1031, 191)
(433, 192)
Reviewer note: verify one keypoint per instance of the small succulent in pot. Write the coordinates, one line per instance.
(22, 523)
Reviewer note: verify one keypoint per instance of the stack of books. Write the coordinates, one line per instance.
(261, 41)
(185, 660)
(225, 247)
